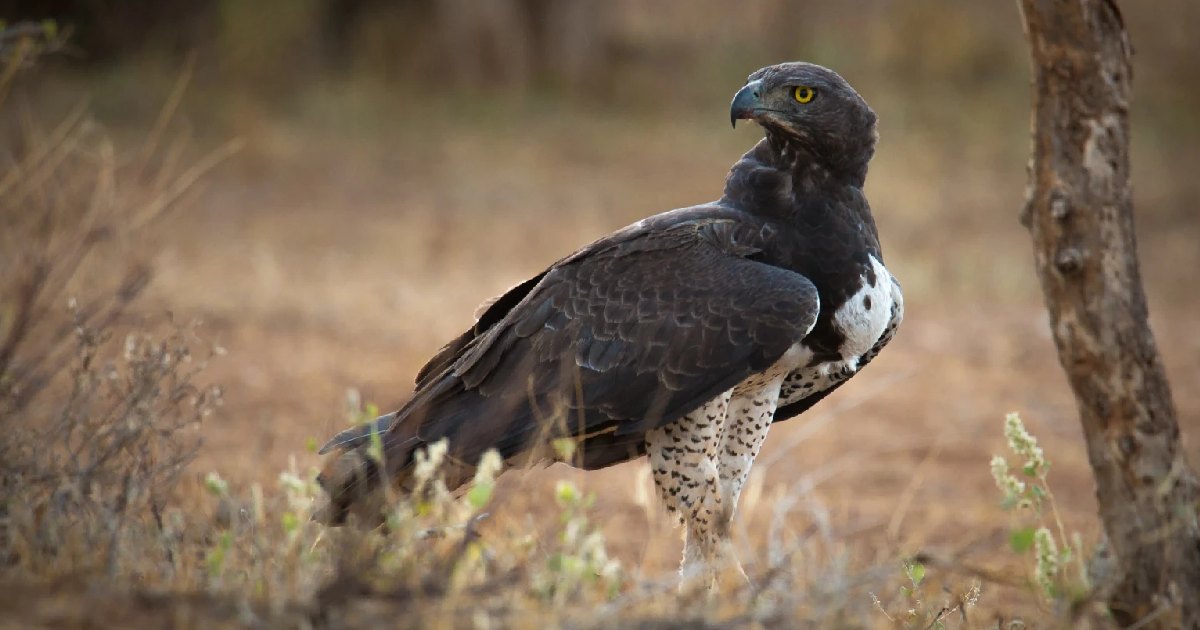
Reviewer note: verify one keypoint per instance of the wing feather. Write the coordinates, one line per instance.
(617, 339)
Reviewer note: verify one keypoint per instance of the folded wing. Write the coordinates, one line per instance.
(609, 343)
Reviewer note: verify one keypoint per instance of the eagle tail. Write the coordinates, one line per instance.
(353, 480)
(354, 483)
(359, 479)
(360, 434)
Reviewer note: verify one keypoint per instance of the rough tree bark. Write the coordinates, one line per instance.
(1080, 214)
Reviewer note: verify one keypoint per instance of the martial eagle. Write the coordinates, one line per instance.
(681, 337)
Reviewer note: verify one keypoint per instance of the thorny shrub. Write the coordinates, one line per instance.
(98, 418)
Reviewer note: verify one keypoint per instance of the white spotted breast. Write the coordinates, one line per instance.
(868, 314)
(867, 320)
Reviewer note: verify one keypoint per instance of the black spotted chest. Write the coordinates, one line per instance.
(866, 321)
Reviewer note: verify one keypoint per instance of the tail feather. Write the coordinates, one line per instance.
(350, 481)
(354, 480)
(359, 435)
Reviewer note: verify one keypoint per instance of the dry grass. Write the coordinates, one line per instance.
(330, 256)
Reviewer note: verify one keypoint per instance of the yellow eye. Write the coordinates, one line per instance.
(804, 94)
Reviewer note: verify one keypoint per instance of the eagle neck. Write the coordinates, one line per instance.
(804, 157)
(773, 176)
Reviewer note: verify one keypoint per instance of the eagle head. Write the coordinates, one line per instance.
(809, 110)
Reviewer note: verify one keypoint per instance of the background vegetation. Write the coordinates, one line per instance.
(218, 218)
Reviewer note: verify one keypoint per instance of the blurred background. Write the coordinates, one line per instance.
(398, 162)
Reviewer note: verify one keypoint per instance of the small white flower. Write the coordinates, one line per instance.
(1010, 486)
(1024, 444)
(429, 460)
(291, 482)
(437, 452)
(489, 466)
(1046, 552)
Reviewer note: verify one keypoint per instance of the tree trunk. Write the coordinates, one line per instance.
(1080, 214)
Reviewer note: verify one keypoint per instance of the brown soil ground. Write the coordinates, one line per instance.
(321, 265)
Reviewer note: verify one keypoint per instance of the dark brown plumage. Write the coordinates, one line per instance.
(780, 280)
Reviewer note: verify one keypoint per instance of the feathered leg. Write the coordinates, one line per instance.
(684, 458)
(751, 411)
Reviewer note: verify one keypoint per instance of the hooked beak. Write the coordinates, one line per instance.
(745, 102)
